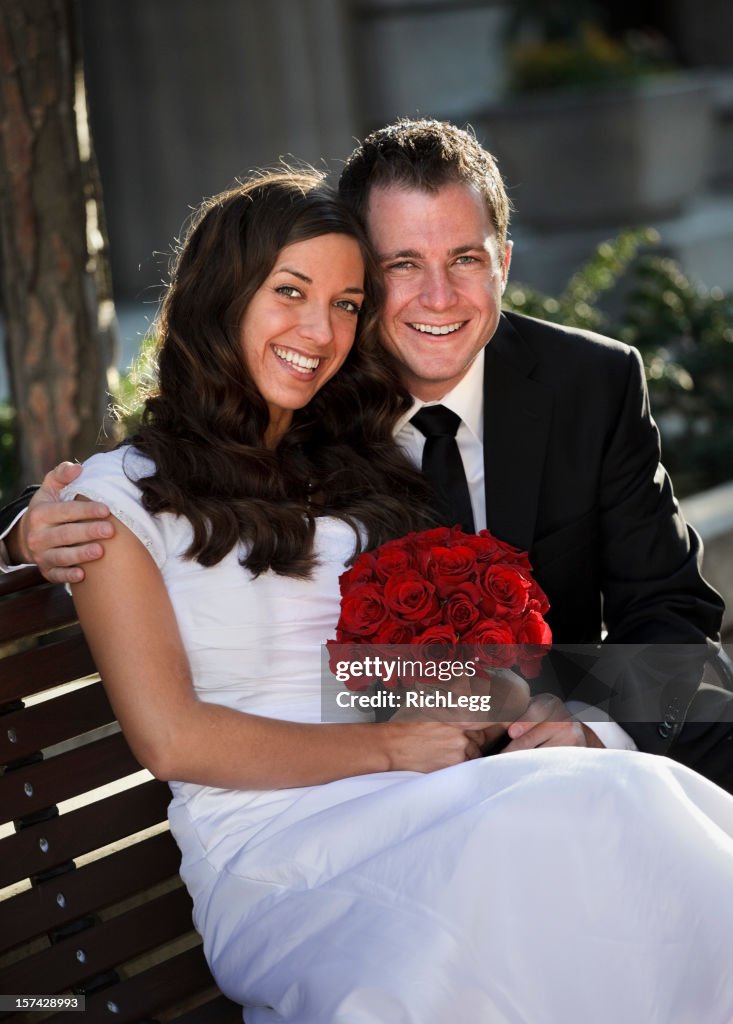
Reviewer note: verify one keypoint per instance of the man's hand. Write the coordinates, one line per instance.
(58, 535)
(548, 723)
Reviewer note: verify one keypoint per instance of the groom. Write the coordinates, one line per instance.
(554, 451)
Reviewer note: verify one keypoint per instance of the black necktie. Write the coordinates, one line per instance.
(442, 463)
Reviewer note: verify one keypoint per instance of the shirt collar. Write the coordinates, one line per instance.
(465, 400)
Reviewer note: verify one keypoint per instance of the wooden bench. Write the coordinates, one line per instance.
(90, 898)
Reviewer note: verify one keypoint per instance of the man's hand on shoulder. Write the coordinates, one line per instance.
(57, 535)
(548, 723)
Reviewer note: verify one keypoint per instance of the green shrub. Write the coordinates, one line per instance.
(577, 304)
(134, 385)
(685, 334)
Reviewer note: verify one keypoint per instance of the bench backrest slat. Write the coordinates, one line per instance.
(94, 950)
(47, 844)
(43, 667)
(93, 887)
(26, 790)
(182, 976)
(47, 605)
(53, 721)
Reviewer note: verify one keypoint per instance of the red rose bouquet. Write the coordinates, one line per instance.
(442, 588)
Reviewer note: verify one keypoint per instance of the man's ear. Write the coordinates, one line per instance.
(506, 264)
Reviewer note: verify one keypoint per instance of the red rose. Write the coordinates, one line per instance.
(362, 611)
(450, 567)
(391, 632)
(494, 644)
(427, 544)
(461, 610)
(534, 638)
(532, 629)
(487, 548)
(362, 571)
(538, 600)
(412, 597)
(340, 653)
(398, 544)
(391, 560)
(505, 592)
(429, 539)
(519, 558)
(436, 643)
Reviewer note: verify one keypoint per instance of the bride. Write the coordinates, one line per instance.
(357, 872)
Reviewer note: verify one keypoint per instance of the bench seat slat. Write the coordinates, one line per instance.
(81, 831)
(51, 721)
(102, 947)
(45, 666)
(65, 776)
(91, 888)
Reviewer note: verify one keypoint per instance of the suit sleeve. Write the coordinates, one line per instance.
(8, 517)
(655, 599)
(9, 512)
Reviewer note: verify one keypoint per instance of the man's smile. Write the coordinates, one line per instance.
(438, 328)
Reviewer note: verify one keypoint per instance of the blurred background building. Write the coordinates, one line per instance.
(185, 95)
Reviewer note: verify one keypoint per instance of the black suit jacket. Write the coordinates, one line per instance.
(572, 475)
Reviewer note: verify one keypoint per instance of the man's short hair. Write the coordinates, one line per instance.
(425, 154)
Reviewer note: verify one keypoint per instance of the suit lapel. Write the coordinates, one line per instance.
(517, 415)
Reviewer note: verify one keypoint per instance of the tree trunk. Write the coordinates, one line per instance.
(54, 279)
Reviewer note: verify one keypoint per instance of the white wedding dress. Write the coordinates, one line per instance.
(556, 886)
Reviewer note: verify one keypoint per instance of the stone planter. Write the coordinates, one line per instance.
(628, 155)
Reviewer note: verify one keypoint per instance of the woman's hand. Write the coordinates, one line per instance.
(426, 746)
(490, 704)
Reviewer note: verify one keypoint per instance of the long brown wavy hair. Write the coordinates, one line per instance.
(204, 427)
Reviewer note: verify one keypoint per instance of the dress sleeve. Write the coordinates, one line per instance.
(110, 477)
